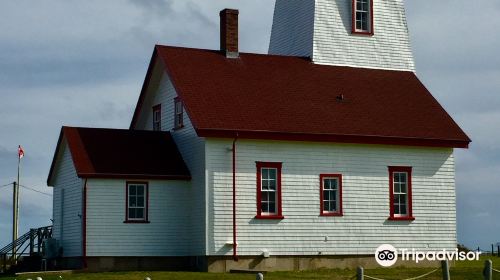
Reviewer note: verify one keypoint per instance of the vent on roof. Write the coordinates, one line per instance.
(229, 32)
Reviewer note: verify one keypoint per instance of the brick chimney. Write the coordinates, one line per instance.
(229, 32)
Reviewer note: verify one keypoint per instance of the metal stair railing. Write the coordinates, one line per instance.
(19, 242)
(33, 240)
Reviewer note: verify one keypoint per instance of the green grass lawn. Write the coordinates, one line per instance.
(460, 271)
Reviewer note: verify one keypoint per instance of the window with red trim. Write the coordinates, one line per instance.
(269, 190)
(178, 113)
(157, 117)
(400, 193)
(137, 197)
(362, 17)
(331, 194)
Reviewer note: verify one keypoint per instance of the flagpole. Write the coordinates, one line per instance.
(15, 226)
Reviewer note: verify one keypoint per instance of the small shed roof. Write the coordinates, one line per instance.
(118, 153)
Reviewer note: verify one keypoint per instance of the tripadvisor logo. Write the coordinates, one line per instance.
(387, 255)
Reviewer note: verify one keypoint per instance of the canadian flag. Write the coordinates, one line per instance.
(20, 152)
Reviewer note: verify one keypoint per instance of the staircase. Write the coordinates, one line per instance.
(26, 253)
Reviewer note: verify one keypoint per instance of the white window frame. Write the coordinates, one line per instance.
(144, 205)
(337, 199)
(178, 113)
(157, 118)
(332, 198)
(269, 191)
(397, 203)
(357, 14)
(264, 179)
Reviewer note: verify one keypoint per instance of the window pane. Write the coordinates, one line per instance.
(326, 195)
(330, 184)
(272, 208)
(403, 209)
(132, 190)
(396, 177)
(333, 184)
(403, 188)
(333, 206)
(265, 196)
(396, 209)
(365, 6)
(131, 213)
(140, 190)
(140, 213)
(402, 177)
(265, 207)
(132, 201)
(272, 185)
(265, 173)
(272, 174)
(140, 201)
(272, 197)
(265, 184)
(397, 188)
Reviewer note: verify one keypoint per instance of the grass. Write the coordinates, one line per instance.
(460, 271)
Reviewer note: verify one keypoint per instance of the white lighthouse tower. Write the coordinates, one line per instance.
(355, 33)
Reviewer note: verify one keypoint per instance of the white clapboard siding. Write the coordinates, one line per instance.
(192, 149)
(331, 39)
(145, 117)
(67, 204)
(167, 234)
(293, 28)
(303, 231)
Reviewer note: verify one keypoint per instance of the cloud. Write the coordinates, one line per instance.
(157, 7)
(454, 53)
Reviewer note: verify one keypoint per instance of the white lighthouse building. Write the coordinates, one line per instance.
(358, 33)
(308, 157)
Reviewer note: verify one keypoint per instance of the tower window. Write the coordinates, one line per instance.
(362, 17)
(157, 117)
(178, 114)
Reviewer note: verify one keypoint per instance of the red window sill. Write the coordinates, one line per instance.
(365, 33)
(136, 222)
(401, 218)
(331, 214)
(275, 217)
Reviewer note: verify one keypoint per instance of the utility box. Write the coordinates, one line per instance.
(50, 248)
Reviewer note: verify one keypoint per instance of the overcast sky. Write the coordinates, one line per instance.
(82, 63)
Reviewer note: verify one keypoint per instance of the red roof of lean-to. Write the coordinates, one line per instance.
(284, 97)
(124, 154)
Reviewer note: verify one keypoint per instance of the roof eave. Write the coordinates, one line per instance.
(145, 86)
(54, 158)
(134, 176)
(335, 138)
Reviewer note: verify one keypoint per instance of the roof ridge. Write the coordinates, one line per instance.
(117, 129)
(244, 53)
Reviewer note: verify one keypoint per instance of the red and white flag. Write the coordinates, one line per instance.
(20, 152)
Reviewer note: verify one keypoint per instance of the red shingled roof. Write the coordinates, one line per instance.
(283, 97)
(124, 154)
